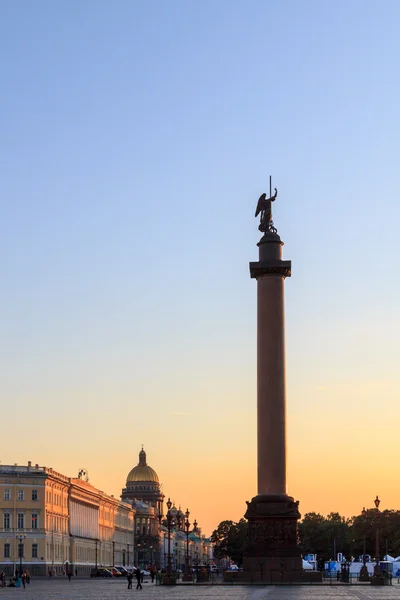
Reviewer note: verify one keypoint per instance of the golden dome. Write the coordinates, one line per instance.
(142, 471)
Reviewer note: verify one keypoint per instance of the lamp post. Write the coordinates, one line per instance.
(151, 555)
(96, 540)
(196, 554)
(20, 551)
(364, 576)
(128, 555)
(378, 578)
(169, 522)
(169, 580)
(113, 553)
(187, 576)
(138, 554)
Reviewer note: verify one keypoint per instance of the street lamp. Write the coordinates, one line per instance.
(172, 517)
(113, 553)
(364, 576)
(151, 555)
(378, 578)
(20, 551)
(169, 523)
(138, 554)
(187, 576)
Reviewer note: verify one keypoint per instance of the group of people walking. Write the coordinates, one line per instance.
(139, 576)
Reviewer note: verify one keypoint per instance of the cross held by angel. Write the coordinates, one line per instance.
(264, 206)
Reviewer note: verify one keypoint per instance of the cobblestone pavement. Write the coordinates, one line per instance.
(89, 589)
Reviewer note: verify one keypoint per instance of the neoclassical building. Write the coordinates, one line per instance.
(143, 492)
(61, 522)
(142, 485)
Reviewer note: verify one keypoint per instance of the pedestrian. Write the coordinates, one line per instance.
(28, 576)
(138, 576)
(76, 572)
(69, 574)
(130, 577)
(23, 579)
(152, 574)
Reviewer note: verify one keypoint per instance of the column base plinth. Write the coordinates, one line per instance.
(272, 553)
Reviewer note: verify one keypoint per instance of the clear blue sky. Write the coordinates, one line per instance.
(136, 138)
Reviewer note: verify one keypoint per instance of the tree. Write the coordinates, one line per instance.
(219, 538)
(229, 540)
(237, 537)
(364, 530)
(324, 535)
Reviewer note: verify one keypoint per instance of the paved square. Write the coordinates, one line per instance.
(89, 589)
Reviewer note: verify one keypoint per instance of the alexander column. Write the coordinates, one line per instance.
(272, 551)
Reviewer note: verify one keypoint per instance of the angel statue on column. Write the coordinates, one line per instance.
(264, 206)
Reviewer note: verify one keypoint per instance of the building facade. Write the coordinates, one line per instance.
(143, 491)
(60, 523)
(143, 484)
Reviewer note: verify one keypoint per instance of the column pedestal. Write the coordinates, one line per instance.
(272, 552)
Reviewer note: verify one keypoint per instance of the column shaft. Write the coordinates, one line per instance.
(271, 408)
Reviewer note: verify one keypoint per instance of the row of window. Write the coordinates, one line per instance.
(7, 550)
(58, 524)
(20, 495)
(58, 499)
(7, 521)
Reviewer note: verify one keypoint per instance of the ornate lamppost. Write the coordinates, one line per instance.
(364, 576)
(377, 578)
(20, 551)
(169, 580)
(187, 576)
(138, 546)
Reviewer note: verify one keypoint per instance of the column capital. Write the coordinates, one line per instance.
(262, 268)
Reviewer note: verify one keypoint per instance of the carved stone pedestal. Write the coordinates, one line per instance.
(272, 551)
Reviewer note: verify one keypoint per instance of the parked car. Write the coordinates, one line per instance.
(100, 573)
(123, 571)
(115, 572)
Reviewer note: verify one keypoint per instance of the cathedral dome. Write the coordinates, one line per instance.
(142, 471)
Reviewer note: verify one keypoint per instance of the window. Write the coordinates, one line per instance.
(7, 521)
(6, 550)
(7, 494)
(34, 550)
(34, 494)
(20, 494)
(34, 521)
(21, 521)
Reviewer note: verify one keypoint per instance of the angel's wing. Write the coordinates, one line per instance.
(260, 204)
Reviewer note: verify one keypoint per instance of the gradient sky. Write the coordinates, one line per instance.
(136, 138)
